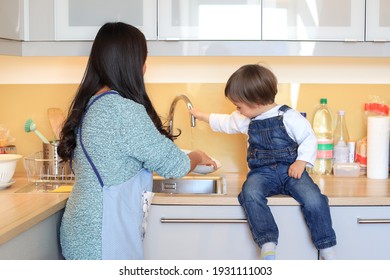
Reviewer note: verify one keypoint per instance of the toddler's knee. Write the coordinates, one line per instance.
(249, 193)
(316, 202)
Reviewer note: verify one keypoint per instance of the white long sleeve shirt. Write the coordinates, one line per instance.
(297, 126)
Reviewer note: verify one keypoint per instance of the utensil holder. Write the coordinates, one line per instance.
(52, 164)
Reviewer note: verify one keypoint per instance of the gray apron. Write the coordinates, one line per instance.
(125, 208)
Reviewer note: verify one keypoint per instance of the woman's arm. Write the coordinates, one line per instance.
(157, 153)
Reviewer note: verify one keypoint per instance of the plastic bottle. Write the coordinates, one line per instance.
(322, 126)
(340, 139)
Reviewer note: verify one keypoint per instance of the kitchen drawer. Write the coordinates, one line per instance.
(362, 232)
(221, 232)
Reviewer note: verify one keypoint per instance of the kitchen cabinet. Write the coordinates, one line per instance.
(37, 243)
(328, 20)
(209, 20)
(220, 232)
(11, 13)
(81, 19)
(378, 20)
(200, 27)
(362, 232)
(47, 20)
(26, 20)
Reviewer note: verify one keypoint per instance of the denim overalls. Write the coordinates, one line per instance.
(271, 151)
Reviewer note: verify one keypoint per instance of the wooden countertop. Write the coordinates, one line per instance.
(21, 211)
(341, 191)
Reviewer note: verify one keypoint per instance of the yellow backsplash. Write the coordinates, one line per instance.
(20, 102)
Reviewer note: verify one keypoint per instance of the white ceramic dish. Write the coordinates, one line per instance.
(204, 169)
(7, 167)
(6, 185)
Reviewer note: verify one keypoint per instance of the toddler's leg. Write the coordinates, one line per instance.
(315, 209)
(260, 219)
(327, 253)
(268, 251)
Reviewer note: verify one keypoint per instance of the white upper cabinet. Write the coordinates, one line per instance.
(201, 27)
(328, 20)
(378, 20)
(10, 14)
(26, 20)
(81, 19)
(209, 20)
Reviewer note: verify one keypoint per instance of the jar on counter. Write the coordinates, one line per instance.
(10, 149)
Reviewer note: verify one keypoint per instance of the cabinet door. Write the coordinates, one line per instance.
(378, 20)
(330, 20)
(362, 232)
(39, 242)
(209, 20)
(27, 20)
(294, 236)
(81, 19)
(192, 232)
(11, 19)
(220, 232)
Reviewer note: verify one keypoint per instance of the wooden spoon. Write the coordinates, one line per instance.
(56, 118)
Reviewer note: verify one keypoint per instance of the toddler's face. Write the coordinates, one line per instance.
(249, 110)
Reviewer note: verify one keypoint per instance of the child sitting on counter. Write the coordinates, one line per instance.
(281, 145)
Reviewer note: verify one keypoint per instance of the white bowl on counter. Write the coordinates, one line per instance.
(7, 168)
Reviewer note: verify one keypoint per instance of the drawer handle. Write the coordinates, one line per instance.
(207, 221)
(373, 221)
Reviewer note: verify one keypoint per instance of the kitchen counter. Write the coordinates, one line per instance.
(21, 211)
(340, 191)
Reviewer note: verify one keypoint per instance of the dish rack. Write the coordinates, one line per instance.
(47, 173)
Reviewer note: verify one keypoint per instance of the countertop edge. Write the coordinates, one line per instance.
(217, 200)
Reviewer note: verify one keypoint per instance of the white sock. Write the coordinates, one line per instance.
(327, 254)
(268, 251)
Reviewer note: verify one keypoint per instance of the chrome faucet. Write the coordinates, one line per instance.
(172, 111)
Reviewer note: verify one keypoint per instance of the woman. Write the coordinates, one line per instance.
(114, 137)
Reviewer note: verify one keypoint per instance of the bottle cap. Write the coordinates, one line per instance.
(341, 112)
(323, 101)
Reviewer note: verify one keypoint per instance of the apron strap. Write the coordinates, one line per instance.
(81, 138)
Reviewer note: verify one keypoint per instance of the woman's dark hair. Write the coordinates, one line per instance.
(252, 83)
(117, 59)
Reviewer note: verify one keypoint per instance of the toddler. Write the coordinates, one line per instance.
(281, 145)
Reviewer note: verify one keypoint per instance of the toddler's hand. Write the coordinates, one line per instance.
(200, 115)
(296, 169)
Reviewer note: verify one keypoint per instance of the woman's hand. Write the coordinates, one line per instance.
(198, 157)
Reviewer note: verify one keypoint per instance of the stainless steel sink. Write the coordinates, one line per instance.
(190, 185)
(201, 184)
